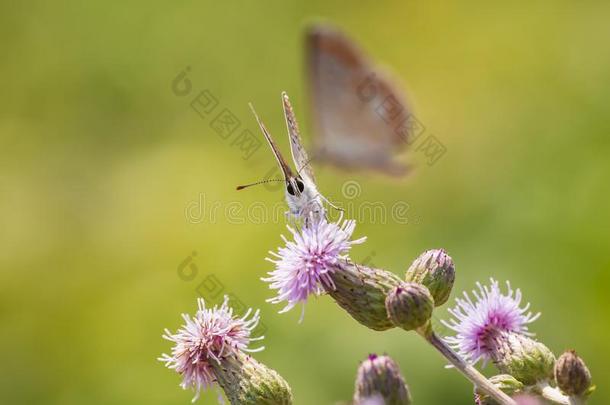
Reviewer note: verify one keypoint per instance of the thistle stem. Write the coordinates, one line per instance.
(553, 395)
(463, 367)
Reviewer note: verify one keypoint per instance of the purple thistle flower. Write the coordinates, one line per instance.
(208, 336)
(492, 313)
(303, 266)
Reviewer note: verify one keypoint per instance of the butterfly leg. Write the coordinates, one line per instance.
(331, 204)
(290, 216)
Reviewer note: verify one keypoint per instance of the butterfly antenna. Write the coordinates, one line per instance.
(258, 182)
(253, 110)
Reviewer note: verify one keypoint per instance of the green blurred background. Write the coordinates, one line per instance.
(100, 159)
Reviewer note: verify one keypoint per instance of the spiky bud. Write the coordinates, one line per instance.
(434, 269)
(361, 291)
(504, 382)
(245, 381)
(524, 358)
(571, 373)
(409, 305)
(379, 378)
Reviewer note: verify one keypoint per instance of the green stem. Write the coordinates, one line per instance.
(463, 367)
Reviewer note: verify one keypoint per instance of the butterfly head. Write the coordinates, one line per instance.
(295, 186)
(302, 197)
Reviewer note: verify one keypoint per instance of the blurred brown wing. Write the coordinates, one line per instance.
(299, 155)
(358, 114)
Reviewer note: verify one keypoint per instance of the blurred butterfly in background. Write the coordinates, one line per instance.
(302, 195)
(360, 118)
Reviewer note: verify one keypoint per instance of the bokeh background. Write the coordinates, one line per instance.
(100, 162)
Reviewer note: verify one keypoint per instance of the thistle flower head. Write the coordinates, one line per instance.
(245, 381)
(571, 374)
(526, 359)
(303, 266)
(434, 269)
(362, 292)
(205, 338)
(475, 323)
(409, 305)
(379, 381)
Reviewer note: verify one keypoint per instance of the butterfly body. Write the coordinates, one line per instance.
(302, 196)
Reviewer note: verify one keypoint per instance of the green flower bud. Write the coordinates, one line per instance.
(361, 291)
(525, 359)
(379, 377)
(504, 382)
(409, 305)
(245, 381)
(435, 270)
(572, 375)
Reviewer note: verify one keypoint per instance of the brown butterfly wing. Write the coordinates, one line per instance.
(299, 155)
(357, 111)
(276, 151)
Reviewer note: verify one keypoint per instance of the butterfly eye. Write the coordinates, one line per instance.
(300, 185)
(289, 189)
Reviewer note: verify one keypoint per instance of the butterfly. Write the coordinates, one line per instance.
(302, 196)
(361, 119)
